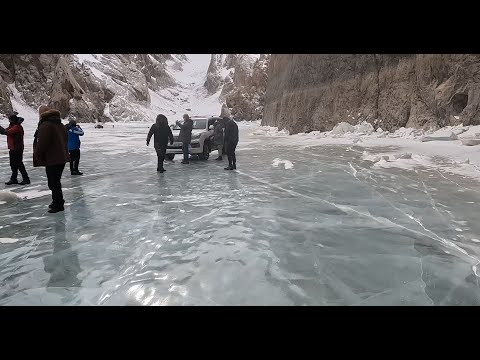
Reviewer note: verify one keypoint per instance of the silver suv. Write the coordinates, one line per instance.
(202, 143)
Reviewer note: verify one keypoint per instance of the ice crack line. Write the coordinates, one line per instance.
(347, 209)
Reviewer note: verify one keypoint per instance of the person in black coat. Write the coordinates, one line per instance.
(162, 134)
(231, 141)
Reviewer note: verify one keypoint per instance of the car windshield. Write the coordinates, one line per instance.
(197, 124)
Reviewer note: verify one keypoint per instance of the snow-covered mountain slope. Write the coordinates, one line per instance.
(109, 87)
(189, 95)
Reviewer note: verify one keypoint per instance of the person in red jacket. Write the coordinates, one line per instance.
(14, 134)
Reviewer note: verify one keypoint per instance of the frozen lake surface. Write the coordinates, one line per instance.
(293, 226)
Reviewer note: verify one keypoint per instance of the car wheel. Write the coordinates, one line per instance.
(170, 156)
(206, 152)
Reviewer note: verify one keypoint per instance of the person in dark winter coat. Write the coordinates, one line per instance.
(218, 138)
(74, 132)
(231, 141)
(50, 150)
(162, 135)
(185, 136)
(15, 145)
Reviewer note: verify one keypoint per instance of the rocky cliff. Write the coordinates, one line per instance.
(316, 91)
(86, 87)
(241, 80)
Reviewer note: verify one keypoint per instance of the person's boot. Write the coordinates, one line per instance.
(56, 207)
(11, 182)
(75, 168)
(219, 158)
(234, 167)
(162, 170)
(185, 162)
(25, 182)
(51, 205)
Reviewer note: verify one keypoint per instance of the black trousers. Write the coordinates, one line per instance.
(54, 174)
(232, 160)
(161, 151)
(16, 164)
(74, 160)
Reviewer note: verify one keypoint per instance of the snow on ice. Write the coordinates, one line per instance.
(287, 164)
(411, 148)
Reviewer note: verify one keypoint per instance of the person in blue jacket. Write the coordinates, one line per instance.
(74, 132)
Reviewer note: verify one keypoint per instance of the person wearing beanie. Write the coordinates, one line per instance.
(50, 150)
(14, 134)
(74, 132)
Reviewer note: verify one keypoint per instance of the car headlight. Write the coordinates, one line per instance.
(196, 137)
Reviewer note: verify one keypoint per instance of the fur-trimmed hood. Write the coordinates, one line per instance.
(47, 113)
(50, 144)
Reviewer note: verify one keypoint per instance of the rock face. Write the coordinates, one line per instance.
(5, 103)
(241, 80)
(315, 92)
(87, 88)
(214, 74)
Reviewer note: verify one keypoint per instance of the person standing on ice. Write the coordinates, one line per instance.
(15, 145)
(185, 136)
(231, 141)
(74, 132)
(218, 138)
(162, 134)
(50, 150)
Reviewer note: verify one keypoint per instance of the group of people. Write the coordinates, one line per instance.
(225, 132)
(53, 146)
(56, 144)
